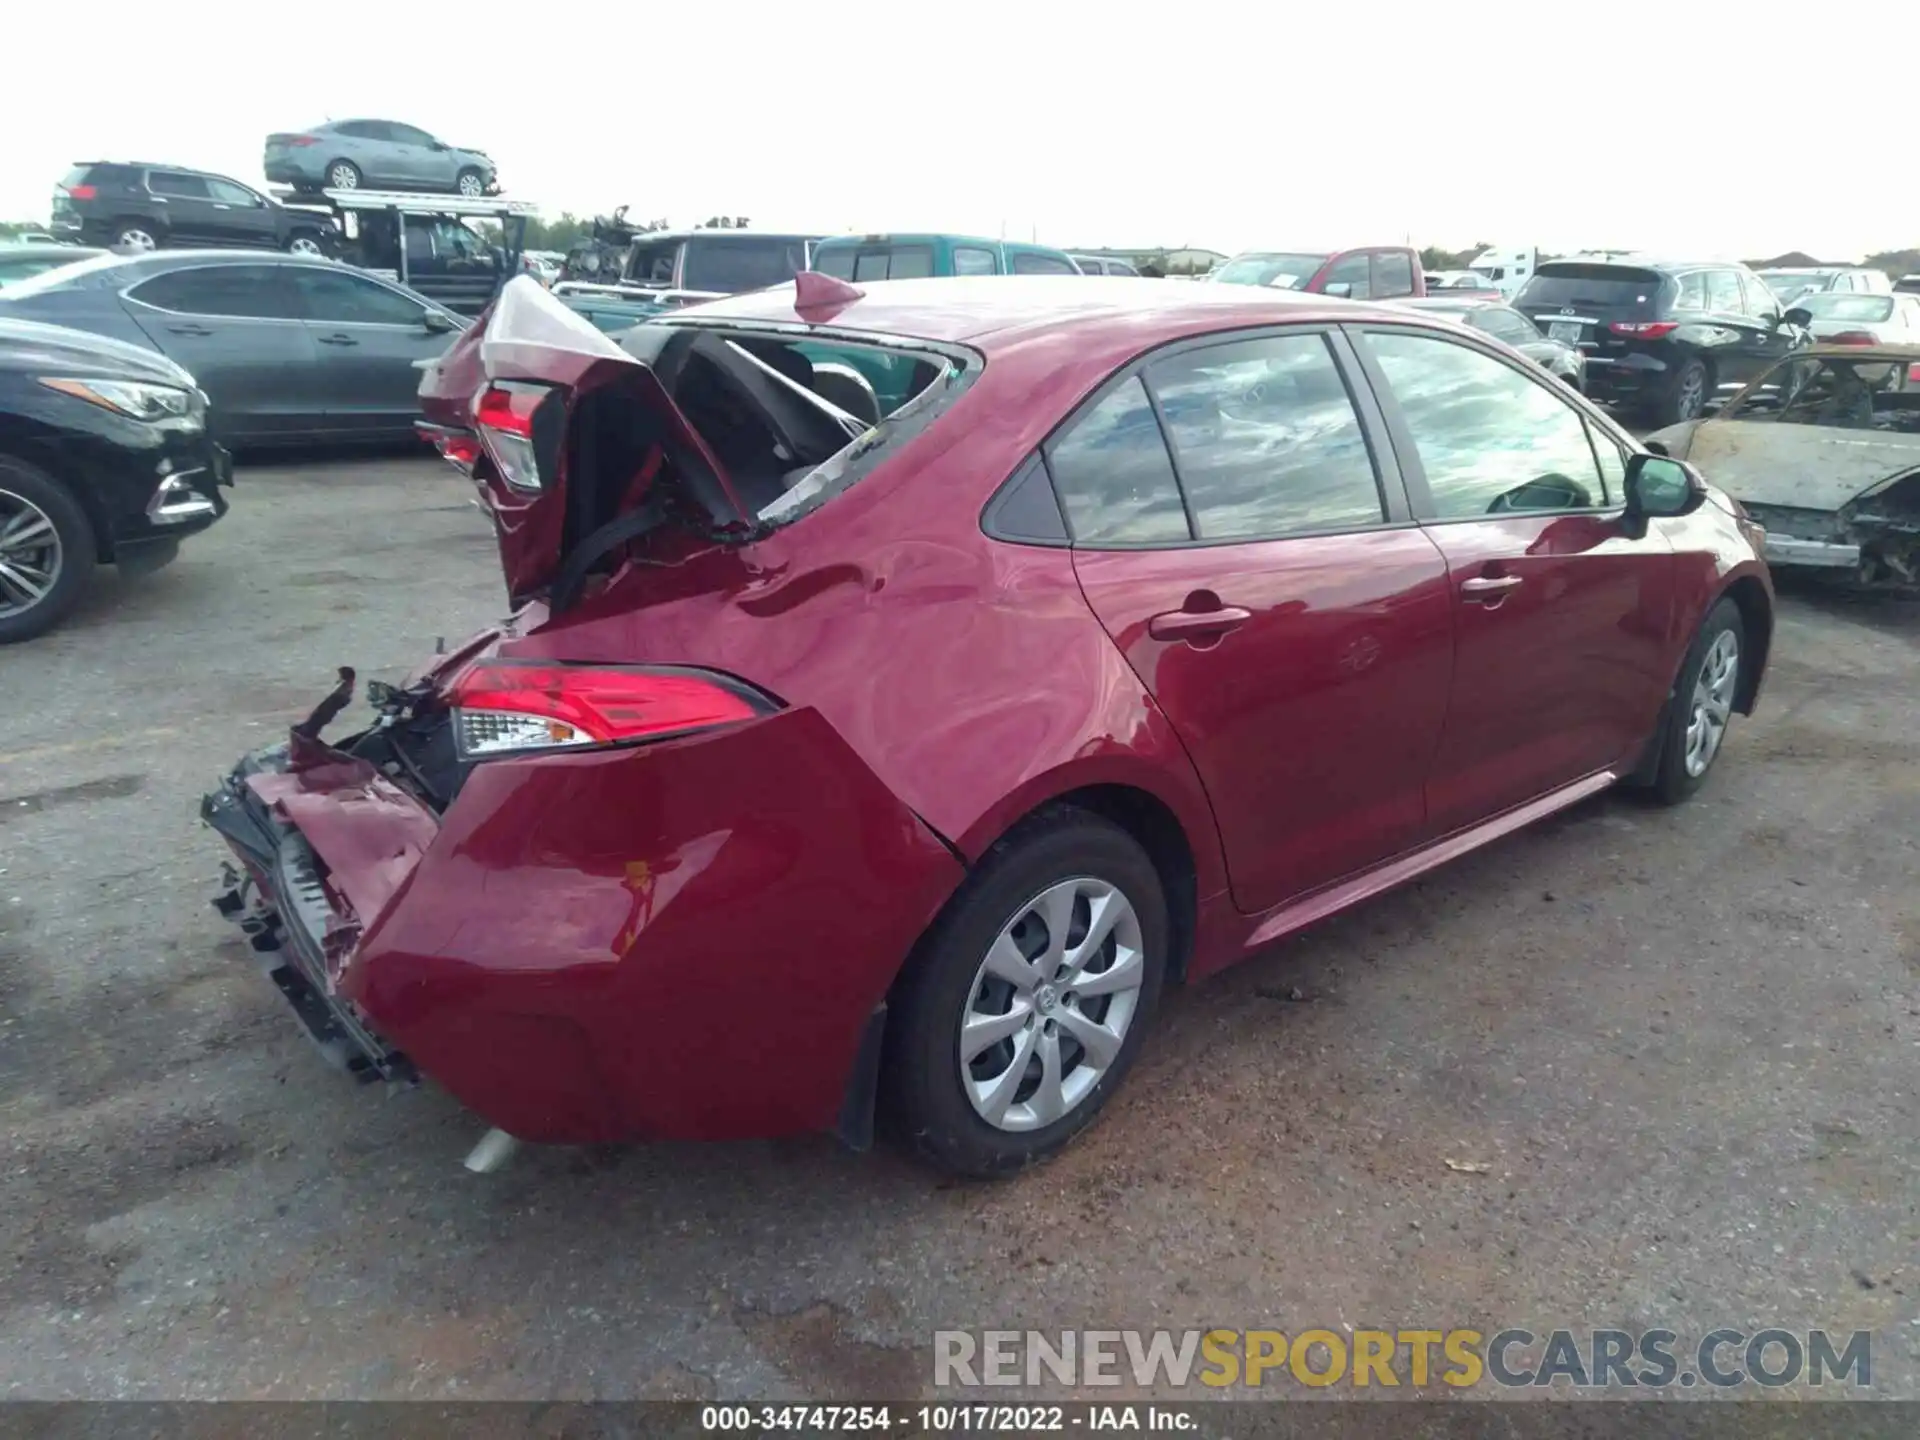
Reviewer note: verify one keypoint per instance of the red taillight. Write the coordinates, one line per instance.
(504, 414)
(1851, 337)
(500, 706)
(302, 141)
(81, 192)
(1913, 373)
(1644, 329)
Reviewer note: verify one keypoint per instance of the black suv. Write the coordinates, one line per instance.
(1662, 338)
(152, 207)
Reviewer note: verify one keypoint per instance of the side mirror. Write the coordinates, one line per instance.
(1799, 315)
(1339, 289)
(436, 323)
(1658, 486)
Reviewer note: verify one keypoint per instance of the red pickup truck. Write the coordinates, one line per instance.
(1373, 272)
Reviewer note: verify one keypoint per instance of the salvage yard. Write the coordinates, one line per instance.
(1684, 1044)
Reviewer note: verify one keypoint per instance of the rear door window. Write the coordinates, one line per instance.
(1266, 439)
(343, 298)
(894, 262)
(1492, 440)
(1027, 263)
(178, 186)
(970, 260)
(1723, 292)
(837, 262)
(1693, 291)
(1761, 301)
(253, 292)
(1392, 275)
(1353, 271)
(1114, 475)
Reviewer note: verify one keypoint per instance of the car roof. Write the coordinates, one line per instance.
(998, 312)
(717, 234)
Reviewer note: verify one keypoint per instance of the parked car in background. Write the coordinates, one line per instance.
(915, 257)
(1662, 338)
(1103, 265)
(1325, 595)
(1462, 280)
(1840, 318)
(287, 348)
(1907, 285)
(1790, 284)
(665, 269)
(447, 260)
(30, 237)
(1823, 449)
(1504, 323)
(105, 459)
(23, 262)
(376, 155)
(1384, 272)
(153, 207)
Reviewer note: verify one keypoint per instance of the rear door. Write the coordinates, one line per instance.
(1561, 612)
(1751, 344)
(237, 330)
(1253, 559)
(186, 204)
(368, 339)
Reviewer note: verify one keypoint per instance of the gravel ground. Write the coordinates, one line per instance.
(1684, 1043)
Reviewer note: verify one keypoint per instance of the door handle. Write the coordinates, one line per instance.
(222, 207)
(1488, 589)
(189, 330)
(1197, 624)
(337, 340)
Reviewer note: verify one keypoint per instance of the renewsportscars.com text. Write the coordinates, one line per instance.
(1460, 1358)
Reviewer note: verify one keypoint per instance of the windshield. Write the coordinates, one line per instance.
(1835, 392)
(1281, 271)
(1868, 309)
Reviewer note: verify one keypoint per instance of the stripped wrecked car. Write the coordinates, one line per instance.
(829, 767)
(1823, 449)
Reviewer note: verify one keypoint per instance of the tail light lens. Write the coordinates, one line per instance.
(1644, 329)
(300, 142)
(504, 414)
(1851, 337)
(508, 706)
(1913, 373)
(81, 192)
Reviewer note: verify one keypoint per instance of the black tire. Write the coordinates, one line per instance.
(1671, 779)
(343, 175)
(132, 232)
(78, 550)
(476, 176)
(1686, 398)
(307, 242)
(923, 1097)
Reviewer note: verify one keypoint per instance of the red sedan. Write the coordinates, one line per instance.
(906, 685)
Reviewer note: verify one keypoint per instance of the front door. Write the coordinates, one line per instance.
(188, 206)
(1252, 562)
(1561, 611)
(368, 338)
(241, 217)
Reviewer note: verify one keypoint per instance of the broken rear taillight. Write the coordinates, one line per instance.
(506, 706)
(504, 413)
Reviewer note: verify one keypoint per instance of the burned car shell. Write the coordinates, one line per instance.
(1835, 496)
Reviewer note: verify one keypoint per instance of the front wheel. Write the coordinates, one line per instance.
(1702, 704)
(471, 183)
(1025, 1004)
(305, 242)
(138, 236)
(46, 551)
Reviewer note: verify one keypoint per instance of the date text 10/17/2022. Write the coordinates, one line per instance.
(944, 1419)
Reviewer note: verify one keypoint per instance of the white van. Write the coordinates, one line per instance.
(1508, 268)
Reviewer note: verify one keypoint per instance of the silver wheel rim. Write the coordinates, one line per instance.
(344, 177)
(1712, 701)
(30, 554)
(1693, 389)
(304, 246)
(469, 184)
(136, 240)
(1051, 1004)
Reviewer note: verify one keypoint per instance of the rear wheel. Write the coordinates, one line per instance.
(343, 175)
(46, 551)
(305, 242)
(1024, 1006)
(137, 235)
(1686, 399)
(471, 183)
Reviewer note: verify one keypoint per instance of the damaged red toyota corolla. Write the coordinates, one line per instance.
(903, 687)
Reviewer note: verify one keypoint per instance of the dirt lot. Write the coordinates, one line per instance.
(1686, 1043)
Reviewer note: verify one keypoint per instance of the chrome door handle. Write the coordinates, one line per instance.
(1488, 589)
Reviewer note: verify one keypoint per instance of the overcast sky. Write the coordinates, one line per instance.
(1684, 126)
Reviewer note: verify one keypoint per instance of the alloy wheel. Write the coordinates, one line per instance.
(305, 245)
(1712, 701)
(1051, 1004)
(135, 239)
(343, 177)
(471, 185)
(30, 554)
(1693, 394)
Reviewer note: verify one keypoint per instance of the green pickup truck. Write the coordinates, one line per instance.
(914, 257)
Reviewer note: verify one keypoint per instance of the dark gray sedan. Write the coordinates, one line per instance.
(1503, 322)
(288, 349)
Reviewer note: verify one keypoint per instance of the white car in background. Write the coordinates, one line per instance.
(1840, 318)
